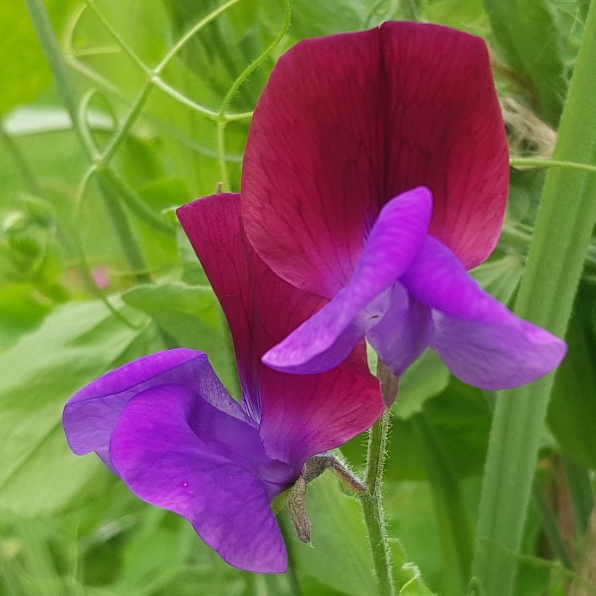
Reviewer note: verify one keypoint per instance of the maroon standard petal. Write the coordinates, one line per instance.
(300, 416)
(347, 122)
(175, 450)
(91, 414)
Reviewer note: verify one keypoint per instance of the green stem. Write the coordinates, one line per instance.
(549, 163)
(123, 230)
(455, 532)
(555, 260)
(131, 118)
(191, 33)
(223, 118)
(138, 206)
(221, 157)
(372, 505)
(46, 35)
(582, 494)
(114, 33)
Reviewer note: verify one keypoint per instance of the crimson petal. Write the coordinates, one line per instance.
(300, 416)
(349, 121)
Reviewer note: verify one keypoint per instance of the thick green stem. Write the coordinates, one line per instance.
(372, 506)
(563, 229)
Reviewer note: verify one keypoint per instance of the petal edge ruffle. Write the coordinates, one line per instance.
(164, 462)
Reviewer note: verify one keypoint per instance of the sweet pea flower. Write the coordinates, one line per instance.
(167, 426)
(375, 175)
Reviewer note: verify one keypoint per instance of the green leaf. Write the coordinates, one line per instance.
(192, 271)
(24, 71)
(572, 409)
(312, 19)
(222, 49)
(407, 574)
(500, 277)
(467, 15)
(22, 308)
(453, 522)
(426, 378)
(460, 418)
(411, 516)
(415, 587)
(192, 317)
(338, 556)
(527, 34)
(74, 345)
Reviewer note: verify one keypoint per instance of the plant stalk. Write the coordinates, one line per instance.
(563, 229)
(372, 500)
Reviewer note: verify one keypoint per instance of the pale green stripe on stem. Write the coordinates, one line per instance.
(563, 229)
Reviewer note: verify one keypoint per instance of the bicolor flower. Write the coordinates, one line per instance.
(375, 175)
(167, 426)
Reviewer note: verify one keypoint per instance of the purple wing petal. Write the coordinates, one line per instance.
(496, 356)
(349, 121)
(301, 415)
(403, 332)
(91, 414)
(480, 340)
(327, 338)
(323, 341)
(176, 451)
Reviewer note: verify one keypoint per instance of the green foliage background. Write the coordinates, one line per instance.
(79, 296)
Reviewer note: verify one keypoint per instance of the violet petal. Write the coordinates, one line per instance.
(91, 414)
(479, 339)
(496, 356)
(169, 448)
(403, 332)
